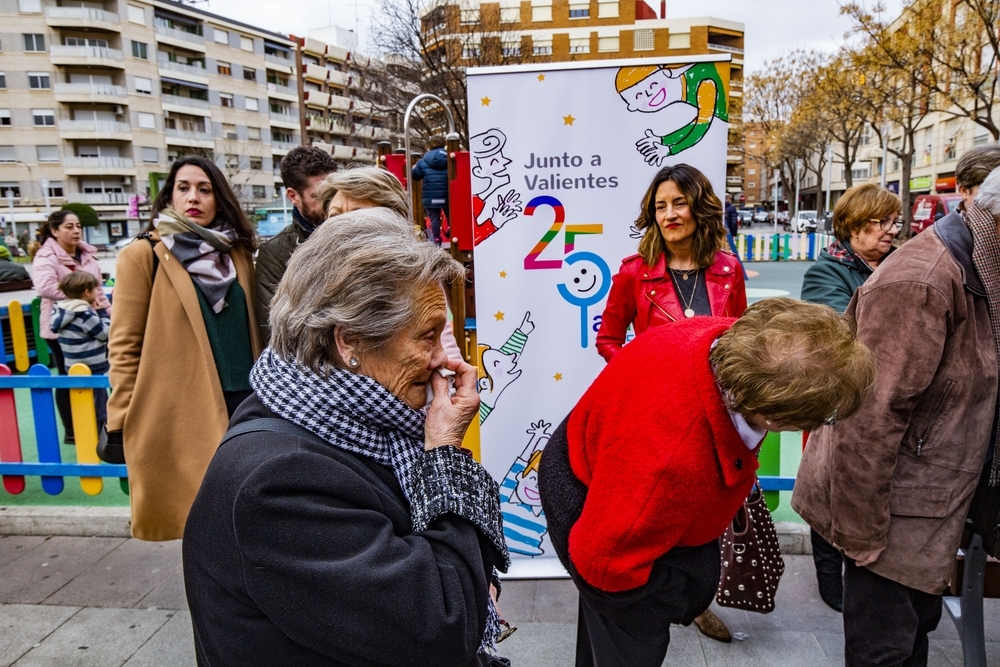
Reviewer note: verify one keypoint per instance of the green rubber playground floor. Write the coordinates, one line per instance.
(72, 494)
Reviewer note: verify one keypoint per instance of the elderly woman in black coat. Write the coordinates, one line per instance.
(341, 523)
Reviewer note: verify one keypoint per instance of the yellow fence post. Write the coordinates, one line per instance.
(18, 335)
(81, 402)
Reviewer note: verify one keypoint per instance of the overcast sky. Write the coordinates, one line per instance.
(773, 27)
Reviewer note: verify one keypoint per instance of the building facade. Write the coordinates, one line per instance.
(97, 101)
(509, 31)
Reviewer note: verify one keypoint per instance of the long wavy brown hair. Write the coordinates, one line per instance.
(706, 209)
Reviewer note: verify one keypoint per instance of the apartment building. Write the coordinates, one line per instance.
(97, 100)
(341, 95)
(574, 30)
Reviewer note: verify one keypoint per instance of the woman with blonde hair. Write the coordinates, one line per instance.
(362, 187)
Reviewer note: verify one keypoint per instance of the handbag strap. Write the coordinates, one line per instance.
(270, 424)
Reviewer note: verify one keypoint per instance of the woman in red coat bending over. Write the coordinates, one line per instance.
(681, 269)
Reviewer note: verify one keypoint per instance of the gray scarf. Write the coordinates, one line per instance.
(202, 251)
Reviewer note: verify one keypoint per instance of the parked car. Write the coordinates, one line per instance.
(805, 222)
(928, 209)
(745, 217)
(760, 215)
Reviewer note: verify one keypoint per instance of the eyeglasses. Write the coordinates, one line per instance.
(888, 223)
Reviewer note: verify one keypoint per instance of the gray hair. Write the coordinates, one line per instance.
(369, 184)
(362, 275)
(989, 193)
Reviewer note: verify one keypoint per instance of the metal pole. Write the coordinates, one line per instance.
(798, 170)
(886, 127)
(284, 205)
(829, 175)
(10, 205)
(776, 172)
(45, 193)
(406, 132)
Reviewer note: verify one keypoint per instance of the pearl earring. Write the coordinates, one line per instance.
(353, 363)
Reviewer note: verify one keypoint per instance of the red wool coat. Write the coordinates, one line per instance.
(655, 446)
(646, 298)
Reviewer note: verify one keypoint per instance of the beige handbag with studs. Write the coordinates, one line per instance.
(751, 558)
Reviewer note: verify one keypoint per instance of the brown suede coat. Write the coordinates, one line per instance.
(166, 395)
(901, 473)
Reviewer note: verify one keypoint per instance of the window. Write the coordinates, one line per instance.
(579, 10)
(39, 80)
(541, 47)
(469, 52)
(139, 50)
(256, 163)
(751, 184)
(228, 131)
(4, 117)
(143, 85)
(34, 42)
(751, 172)
(253, 133)
(512, 48)
(253, 104)
(150, 155)
(259, 192)
(3, 79)
(7, 155)
(250, 74)
(510, 14)
(539, 14)
(147, 121)
(608, 44)
(10, 189)
(222, 36)
(44, 117)
(950, 150)
(470, 16)
(642, 40)
(223, 68)
(85, 41)
(56, 189)
(579, 45)
(982, 136)
(607, 10)
(29, 6)
(136, 15)
(246, 43)
(47, 153)
(679, 40)
(226, 100)
(232, 161)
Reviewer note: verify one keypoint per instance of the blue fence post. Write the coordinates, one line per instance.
(46, 433)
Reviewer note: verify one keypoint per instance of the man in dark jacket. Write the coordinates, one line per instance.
(302, 170)
(11, 272)
(732, 219)
(432, 169)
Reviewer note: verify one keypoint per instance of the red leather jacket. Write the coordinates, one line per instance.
(646, 298)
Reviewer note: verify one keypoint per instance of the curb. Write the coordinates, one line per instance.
(117, 522)
(66, 521)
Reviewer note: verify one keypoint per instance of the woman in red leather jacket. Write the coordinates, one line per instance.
(681, 269)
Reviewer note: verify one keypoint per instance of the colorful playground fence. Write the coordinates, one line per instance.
(770, 247)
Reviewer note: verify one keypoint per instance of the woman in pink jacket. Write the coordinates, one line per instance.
(62, 252)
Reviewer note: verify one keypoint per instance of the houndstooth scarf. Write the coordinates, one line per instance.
(356, 413)
(986, 258)
(202, 251)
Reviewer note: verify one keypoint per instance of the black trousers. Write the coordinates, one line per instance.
(885, 623)
(600, 642)
(827, 557)
(62, 395)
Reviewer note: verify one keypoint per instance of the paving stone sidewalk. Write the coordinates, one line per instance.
(81, 601)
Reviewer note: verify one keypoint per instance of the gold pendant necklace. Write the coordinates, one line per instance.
(688, 310)
(684, 274)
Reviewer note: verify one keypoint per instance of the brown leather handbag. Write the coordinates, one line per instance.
(751, 559)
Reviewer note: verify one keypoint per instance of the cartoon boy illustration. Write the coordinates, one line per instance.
(523, 519)
(650, 88)
(492, 208)
(498, 368)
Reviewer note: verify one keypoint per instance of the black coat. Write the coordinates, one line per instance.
(432, 169)
(300, 553)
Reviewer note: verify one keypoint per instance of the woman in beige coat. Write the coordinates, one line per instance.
(182, 342)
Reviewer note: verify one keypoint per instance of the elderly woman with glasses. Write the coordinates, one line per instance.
(865, 224)
(340, 521)
(653, 462)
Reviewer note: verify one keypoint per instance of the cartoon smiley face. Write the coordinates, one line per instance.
(527, 489)
(586, 277)
(653, 93)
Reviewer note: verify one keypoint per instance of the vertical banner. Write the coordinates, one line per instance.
(561, 156)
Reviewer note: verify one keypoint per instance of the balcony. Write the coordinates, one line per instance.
(277, 63)
(315, 72)
(725, 47)
(81, 17)
(364, 154)
(734, 180)
(98, 197)
(99, 166)
(314, 98)
(91, 92)
(186, 105)
(343, 152)
(287, 121)
(95, 129)
(338, 79)
(182, 38)
(340, 103)
(283, 146)
(182, 71)
(369, 132)
(317, 124)
(196, 138)
(287, 93)
(336, 127)
(86, 56)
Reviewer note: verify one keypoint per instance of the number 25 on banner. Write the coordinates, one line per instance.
(531, 260)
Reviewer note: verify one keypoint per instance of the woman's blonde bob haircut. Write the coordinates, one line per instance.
(794, 363)
(371, 185)
(363, 275)
(857, 207)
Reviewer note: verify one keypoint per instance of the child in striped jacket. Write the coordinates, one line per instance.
(83, 331)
